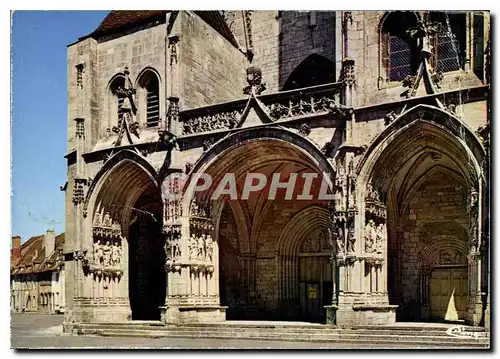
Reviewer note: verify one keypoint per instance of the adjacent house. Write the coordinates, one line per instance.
(37, 274)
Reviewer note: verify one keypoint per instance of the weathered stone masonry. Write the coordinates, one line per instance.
(407, 232)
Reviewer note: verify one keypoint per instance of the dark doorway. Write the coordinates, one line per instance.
(147, 276)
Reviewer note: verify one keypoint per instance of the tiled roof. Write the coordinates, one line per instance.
(33, 259)
(118, 20)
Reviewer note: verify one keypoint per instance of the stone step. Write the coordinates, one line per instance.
(428, 341)
(432, 331)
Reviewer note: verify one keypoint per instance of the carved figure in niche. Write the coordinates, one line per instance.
(107, 254)
(370, 236)
(116, 254)
(380, 237)
(107, 220)
(193, 247)
(210, 248)
(201, 247)
(351, 239)
(339, 239)
(473, 198)
(98, 253)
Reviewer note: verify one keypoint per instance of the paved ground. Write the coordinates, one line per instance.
(33, 331)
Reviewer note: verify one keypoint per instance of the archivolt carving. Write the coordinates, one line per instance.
(315, 244)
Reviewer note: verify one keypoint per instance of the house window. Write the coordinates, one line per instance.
(149, 84)
(448, 43)
(398, 51)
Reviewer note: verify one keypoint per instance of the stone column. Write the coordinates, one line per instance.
(192, 266)
(475, 304)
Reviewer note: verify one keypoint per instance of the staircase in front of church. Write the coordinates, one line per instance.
(401, 335)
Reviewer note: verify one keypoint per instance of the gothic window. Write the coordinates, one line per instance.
(150, 89)
(116, 98)
(79, 76)
(448, 43)
(398, 52)
(313, 71)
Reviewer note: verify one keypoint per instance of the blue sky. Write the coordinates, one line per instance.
(39, 108)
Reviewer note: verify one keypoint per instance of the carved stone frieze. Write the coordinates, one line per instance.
(104, 226)
(314, 105)
(200, 218)
(315, 244)
(201, 248)
(373, 204)
(216, 121)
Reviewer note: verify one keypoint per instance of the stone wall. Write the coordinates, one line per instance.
(212, 69)
(303, 33)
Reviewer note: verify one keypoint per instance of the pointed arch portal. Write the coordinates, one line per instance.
(425, 168)
(273, 254)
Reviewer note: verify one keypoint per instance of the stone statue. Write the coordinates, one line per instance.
(339, 239)
(380, 237)
(209, 248)
(98, 253)
(201, 247)
(107, 254)
(193, 247)
(370, 236)
(116, 254)
(351, 239)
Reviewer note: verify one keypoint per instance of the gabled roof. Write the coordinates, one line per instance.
(119, 20)
(33, 258)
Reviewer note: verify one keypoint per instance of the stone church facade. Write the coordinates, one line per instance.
(392, 107)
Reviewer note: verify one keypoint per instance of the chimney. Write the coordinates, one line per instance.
(16, 247)
(49, 242)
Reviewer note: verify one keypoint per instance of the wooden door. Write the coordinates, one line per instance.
(448, 289)
(315, 286)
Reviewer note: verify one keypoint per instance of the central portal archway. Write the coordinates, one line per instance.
(273, 249)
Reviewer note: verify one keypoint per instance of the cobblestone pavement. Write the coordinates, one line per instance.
(34, 331)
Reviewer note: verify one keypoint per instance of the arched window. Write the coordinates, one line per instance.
(116, 98)
(448, 43)
(150, 103)
(313, 71)
(398, 52)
